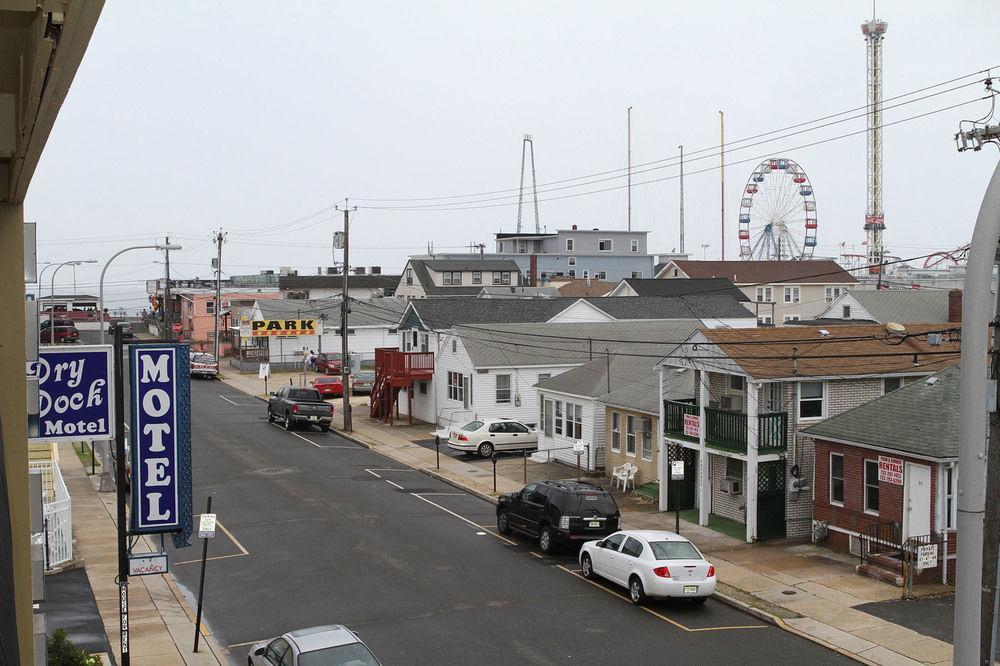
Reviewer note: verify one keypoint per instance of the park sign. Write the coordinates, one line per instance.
(160, 397)
(285, 327)
(74, 394)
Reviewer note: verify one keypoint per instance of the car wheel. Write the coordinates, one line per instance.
(485, 450)
(503, 523)
(324, 428)
(699, 601)
(545, 541)
(587, 567)
(288, 421)
(270, 417)
(635, 591)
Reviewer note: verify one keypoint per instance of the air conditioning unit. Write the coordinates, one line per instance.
(731, 486)
(730, 403)
(376, 270)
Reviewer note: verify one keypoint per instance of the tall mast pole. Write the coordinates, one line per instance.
(534, 186)
(219, 237)
(628, 141)
(167, 330)
(874, 31)
(682, 199)
(722, 179)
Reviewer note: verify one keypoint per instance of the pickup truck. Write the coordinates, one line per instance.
(294, 406)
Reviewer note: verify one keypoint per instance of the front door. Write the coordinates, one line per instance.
(917, 500)
(770, 500)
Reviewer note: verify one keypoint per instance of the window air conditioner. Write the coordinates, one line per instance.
(731, 486)
(730, 403)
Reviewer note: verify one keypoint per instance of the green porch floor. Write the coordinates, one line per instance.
(719, 524)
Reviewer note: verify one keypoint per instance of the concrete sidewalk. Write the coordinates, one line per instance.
(805, 589)
(161, 623)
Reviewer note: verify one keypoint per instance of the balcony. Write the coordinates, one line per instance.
(397, 365)
(725, 430)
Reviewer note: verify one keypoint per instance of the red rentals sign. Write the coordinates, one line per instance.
(890, 470)
(692, 425)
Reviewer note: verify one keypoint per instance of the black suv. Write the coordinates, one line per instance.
(559, 513)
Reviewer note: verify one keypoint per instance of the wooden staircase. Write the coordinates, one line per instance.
(394, 371)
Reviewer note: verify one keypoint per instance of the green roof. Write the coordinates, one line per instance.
(921, 419)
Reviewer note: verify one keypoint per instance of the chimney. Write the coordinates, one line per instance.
(955, 305)
(574, 227)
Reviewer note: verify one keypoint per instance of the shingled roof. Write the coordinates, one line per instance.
(688, 287)
(814, 271)
(904, 306)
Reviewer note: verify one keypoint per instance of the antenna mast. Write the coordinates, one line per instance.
(682, 199)
(874, 31)
(528, 145)
(628, 142)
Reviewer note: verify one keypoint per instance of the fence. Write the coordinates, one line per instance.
(57, 511)
(881, 538)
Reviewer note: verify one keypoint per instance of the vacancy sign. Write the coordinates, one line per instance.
(890, 470)
(161, 439)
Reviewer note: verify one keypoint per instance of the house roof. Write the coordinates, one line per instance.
(806, 351)
(642, 395)
(689, 287)
(539, 344)
(581, 287)
(375, 312)
(445, 313)
(921, 418)
(909, 306)
(505, 236)
(336, 281)
(814, 271)
(470, 264)
(519, 292)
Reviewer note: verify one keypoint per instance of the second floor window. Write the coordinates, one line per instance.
(477, 277)
(634, 245)
(571, 261)
(791, 294)
(570, 245)
(832, 293)
(764, 294)
(503, 389)
(210, 307)
(600, 275)
(456, 386)
(452, 277)
(810, 400)
(605, 245)
(409, 276)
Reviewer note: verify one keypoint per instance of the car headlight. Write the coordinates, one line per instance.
(564, 523)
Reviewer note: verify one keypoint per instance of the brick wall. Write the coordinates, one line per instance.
(647, 468)
(723, 504)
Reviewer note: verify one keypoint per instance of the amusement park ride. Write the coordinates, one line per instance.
(778, 213)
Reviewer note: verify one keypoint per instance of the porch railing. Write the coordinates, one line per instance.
(881, 538)
(729, 430)
(57, 511)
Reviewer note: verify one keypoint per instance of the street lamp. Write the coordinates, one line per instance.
(52, 290)
(157, 246)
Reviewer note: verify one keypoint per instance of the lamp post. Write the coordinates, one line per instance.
(52, 289)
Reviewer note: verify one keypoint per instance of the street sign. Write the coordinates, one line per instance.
(178, 327)
(692, 425)
(579, 447)
(161, 440)
(677, 470)
(74, 393)
(264, 371)
(147, 564)
(285, 327)
(890, 470)
(206, 526)
(927, 556)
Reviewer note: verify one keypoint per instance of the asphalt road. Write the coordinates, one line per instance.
(317, 530)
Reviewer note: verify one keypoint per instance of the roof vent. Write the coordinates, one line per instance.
(894, 329)
(931, 381)
(824, 332)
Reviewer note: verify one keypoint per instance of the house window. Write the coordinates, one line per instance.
(542, 376)
(846, 312)
(456, 278)
(737, 383)
(454, 345)
(559, 417)
(890, 384)
(764, 294)
(586, 274)
(949, 496)
(871, 486)
(571, 261)
(496, 278)
(505, 278)
(734, 468)
(677, 272)
(791, 294)
(636, 275)
(605, 245)
(630, 435)
(634, 245)
(477, 277)
(832, 293)
(423, 388)
(837, 479)
(456, 386)
(503, 389)
(500, 249)
(547, 418)
(210, 307)
(409, 276)
(647, 438)
(767, 321)
(788, 318)
(572, 273)
(600, 275)
(616, 431)
(569, 244)
(574, 421)
(810, 400)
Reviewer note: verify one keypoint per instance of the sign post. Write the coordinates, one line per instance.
(579, 446)
(263, 372)
(206, 531)
(676, 476)
(121, 497)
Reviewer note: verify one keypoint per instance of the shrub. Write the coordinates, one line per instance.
(62, 652)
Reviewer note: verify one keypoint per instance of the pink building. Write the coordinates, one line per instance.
(197, 314)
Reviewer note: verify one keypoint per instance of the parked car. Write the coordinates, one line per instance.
(204, 365)
(559, 513)
(332, 363)
(363, 381)
(58, 330)
(489, 435)
(650, 563)
(332, 645)
(329, 387)
(127, 332)
(299, 406)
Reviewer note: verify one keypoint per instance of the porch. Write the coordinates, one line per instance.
(725, 430)
(396, 370)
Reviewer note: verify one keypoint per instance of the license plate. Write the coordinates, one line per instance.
(595, 523)
(690, 589)
(314, 418)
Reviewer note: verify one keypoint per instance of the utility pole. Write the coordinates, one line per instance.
(991, 521)
(345, 308)
(219, 238)
(682, 199)
(722, 179)
(628, 142)
(167, 330)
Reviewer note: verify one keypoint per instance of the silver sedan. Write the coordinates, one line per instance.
(330, 645)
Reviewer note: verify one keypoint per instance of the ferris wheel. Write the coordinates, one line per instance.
(778, 213)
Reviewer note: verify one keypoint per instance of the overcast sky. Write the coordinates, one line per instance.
(190, 116)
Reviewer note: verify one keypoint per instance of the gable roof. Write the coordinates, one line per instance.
(580, 287)
(800, 352)
(420, 270)
(909, 306)
(540, 344)
(519, 292)
(442, 314)
(921, 418)
(689, 287)
(336, 281)
(813, 271)
(375, 312)
(642, 395)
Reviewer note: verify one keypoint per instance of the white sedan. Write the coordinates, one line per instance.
(650, 563)
(489, 435)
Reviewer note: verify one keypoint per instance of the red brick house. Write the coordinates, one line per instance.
(888, 471)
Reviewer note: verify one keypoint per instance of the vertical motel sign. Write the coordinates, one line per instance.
(160, 440)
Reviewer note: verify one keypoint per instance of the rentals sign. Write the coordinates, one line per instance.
(890, 470)
(692, 425)
(74, 393)
(285, 327)
(161, 440)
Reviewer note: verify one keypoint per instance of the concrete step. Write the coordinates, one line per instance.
(878, 573)
(889, 561)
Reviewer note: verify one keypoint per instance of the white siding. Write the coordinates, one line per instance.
(581, 311)
(592, 431)
(730, 323)
(836, 309)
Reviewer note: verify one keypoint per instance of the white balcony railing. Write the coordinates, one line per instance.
(57, 511)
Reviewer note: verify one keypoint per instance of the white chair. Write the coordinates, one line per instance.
(618, 475)
(628, 476)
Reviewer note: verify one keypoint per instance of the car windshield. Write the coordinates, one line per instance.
(591, 503)
(475, 425)
(365, 374)
(674, 550)
(368, 364)
(203, 358)
(353, 654)
(303, 394)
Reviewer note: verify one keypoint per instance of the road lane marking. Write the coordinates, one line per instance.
(236, 542)
(209, 559)
(652, 612)
(377, 476)
(388, 469)
(234, 404)
(393, 483)
(234, 645)
(448, 495)
(463, 518)
(295, 434)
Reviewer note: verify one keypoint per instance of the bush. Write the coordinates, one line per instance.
(62, 652)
